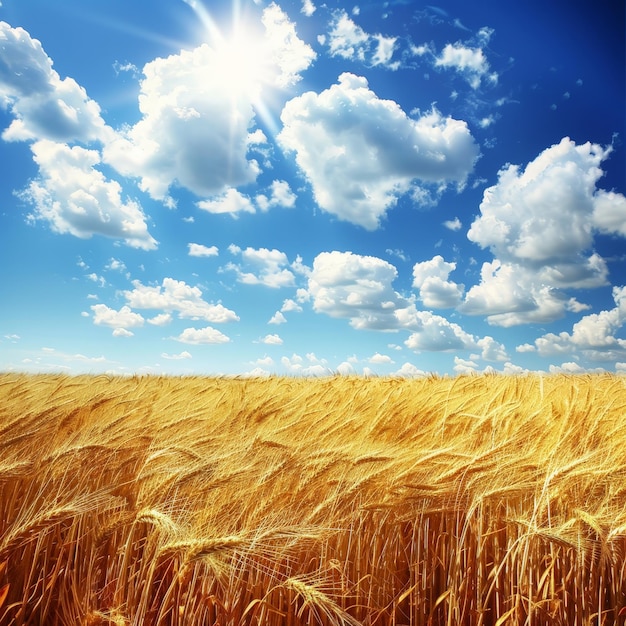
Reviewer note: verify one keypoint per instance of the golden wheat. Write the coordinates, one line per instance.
(480, 500)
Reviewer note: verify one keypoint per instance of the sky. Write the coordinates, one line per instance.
(298, 187)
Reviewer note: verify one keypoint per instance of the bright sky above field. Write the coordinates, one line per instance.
(307, 187)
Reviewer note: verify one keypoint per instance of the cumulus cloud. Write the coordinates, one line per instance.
(190, 134)
(408, 370)
(436, 334)
(262, 267)
(272, 340)
(471, 63)
(308, 8)
(75, 198)
(454, 224)
(380, 359)
(539, 223)
(44, 105)
(197, 336)
(177, 296)
(360, 153)
(197, 249)
(285, 49)
(120, 320)
(277, 318)
(280, 195)
(176, 357)
(232, 201)
(359, 288)
(431, 278)
(197, 112)
(594, 335)
(349, 41)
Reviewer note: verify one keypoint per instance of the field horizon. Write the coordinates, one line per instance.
(476, 500)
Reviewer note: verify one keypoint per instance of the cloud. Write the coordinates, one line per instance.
(434, 333)
(232, 201)
(361, 153)
(380, 359)
(177, 296)
(291, 55)
(469, 62)
(295, 365)
(196, 129)
(277, 318)
(197, 249)
(454, 224)
(431, 278)
(120, 320)
(308, 8)
(43, 105)
(539, 223)
(176, 357)
(349, 41)
(272, 340)
(122, 332)
(359, 288)
(190, 133)
(594, 335)
(75, 198)
(268, 267)
(281, 195)
(162, 319)
(207, 335)
(408, 370)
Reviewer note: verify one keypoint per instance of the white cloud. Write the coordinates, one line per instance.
(123, 319)
(308, 8)
(539, 224)
(43, 105)
(278, 318)
(176, 295)
(464, 366)
(469, 62)
(281, 195)
(207, 335)
(360, 153)
(594, 335)
(196, 128)
(162, 319)
(347, 285)
(436, 334)
(408, 370)
(269, 267)
(290, 54)
(349, 41)
(191, 133)
(295, 365)
(76, 198)
(290, 305)
(431, 278)
(380, 359)
(454, 224)
(491, 349)
(176, 357)
(122, 332)
(272, 340)
(345, 369)
(197, 249)
(232, 201)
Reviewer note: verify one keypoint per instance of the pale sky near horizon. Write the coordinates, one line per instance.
(306, 188)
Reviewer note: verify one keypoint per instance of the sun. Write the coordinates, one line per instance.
(244, 66)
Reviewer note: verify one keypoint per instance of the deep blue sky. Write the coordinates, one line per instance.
(299, 187)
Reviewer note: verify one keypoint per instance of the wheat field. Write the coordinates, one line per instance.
(476, 500)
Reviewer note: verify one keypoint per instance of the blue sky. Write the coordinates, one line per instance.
(306, 188)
